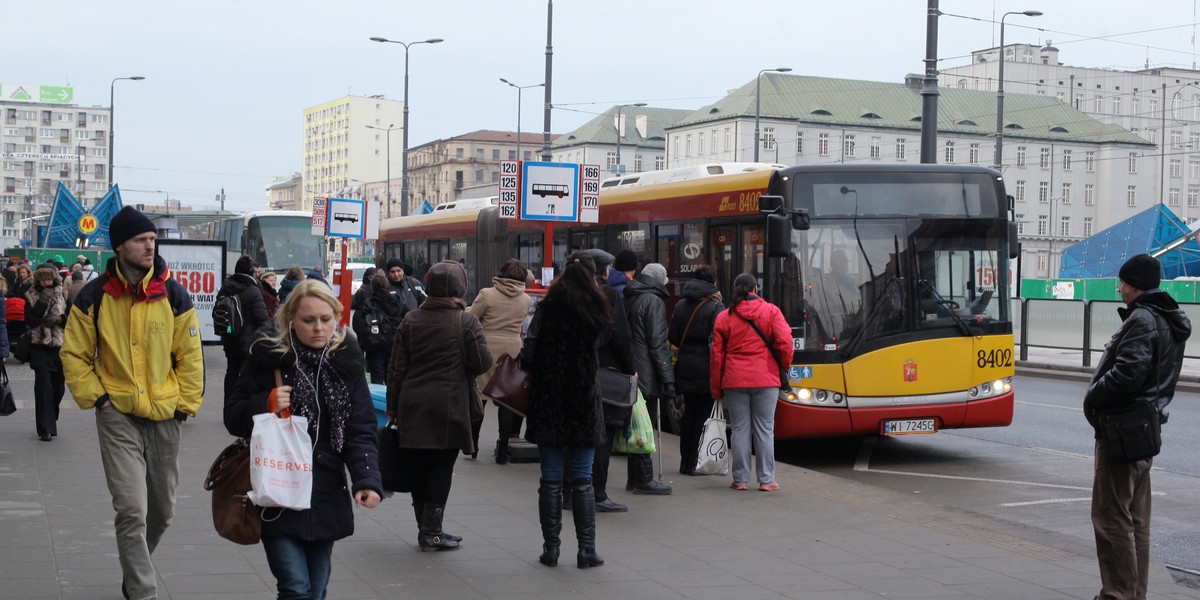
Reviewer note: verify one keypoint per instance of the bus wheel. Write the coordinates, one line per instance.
(674, 410)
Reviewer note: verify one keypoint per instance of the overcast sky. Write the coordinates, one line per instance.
(227, 81)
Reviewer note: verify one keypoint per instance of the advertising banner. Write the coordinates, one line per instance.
(200, 266)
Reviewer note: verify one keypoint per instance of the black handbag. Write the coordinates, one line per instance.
(391, 464)
(616, 388)
(20, 350)
(1132, 432)
(8, 405)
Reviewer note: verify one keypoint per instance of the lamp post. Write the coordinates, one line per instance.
(519, 88)
(621, 132)
(404, 159)
(390, 127)
(758, 102)
(111, 113)
(1000, 86)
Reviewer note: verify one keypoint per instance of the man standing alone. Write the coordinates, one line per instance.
(132, 352)
(1134, 381)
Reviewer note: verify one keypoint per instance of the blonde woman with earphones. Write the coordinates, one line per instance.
(322, 379)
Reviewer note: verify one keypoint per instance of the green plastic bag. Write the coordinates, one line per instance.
(638, 436)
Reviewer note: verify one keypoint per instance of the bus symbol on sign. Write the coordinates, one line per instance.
(550, 189)
(88, 224)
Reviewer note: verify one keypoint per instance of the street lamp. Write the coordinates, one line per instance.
(1000, 86)
(621, 132)
(111, 113)
(404, 160)
(758, 102)
(519, 88)
(389, 129)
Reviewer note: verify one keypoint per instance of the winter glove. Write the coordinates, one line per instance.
(39, 309)
(668, 391)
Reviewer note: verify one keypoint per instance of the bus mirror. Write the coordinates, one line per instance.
(779, 236)
(770, 204)
(1014, 248)
(800, 220)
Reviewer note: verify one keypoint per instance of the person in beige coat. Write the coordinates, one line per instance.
(501, 310)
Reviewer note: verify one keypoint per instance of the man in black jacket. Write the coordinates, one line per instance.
(1140, 364)
(408, 289)
(645, 306)
(254, 316)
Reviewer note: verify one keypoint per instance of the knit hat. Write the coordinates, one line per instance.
(655, 272)
(602, 259)
(57, 259)
(129, 222)
(1142, 272)
(244, 265)
(626, 260)
(395, 262)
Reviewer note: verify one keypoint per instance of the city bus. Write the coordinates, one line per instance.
(275, 239)
(897, 293)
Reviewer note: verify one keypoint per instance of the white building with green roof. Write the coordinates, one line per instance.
(1071, 175)
(641, 130)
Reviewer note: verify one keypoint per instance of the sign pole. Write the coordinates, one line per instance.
(346, 280)
(547, 252)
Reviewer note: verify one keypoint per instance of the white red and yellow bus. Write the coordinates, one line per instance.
(896, 294)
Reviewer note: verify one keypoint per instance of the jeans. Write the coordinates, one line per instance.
(752, 412)
(301, 569)
(377, 365)
(140, 459)
(556, 459)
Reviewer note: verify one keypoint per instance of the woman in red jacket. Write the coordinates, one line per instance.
(751, 344)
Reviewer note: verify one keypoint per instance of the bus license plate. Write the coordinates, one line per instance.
(906, 426)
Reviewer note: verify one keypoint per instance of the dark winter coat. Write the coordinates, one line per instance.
(1141, 362)
(409, 291)
(617, 352)
(46, 316)
(391, 312)
(270, 300)
(695, 350)
(645, 306)
(561, 353)
(285, 287)
(254, 312)
(332, 515)
(428, 381)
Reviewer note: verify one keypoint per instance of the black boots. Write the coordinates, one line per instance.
(502, 452)
(583, 499)
(419, 511)
(550, 504)
(641, 477)
(431, 538)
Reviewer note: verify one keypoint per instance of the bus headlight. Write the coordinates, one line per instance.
(990, 389)
(814, 397)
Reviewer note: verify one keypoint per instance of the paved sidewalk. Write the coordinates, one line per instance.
(818, 538)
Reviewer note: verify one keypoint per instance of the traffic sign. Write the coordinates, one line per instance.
(346, 218)
(510, 188)
(589, 194)
(550, 191)
(320, 206)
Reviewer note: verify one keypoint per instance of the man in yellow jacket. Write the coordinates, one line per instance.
(132, 351)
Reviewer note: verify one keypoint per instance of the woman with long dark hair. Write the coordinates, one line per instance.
(322, 372)
(565, 418)
(691, 332)
(750, 342)
(46, 316)
(502, 309)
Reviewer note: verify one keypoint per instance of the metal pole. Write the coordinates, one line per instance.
(929, 87)
(549, 82)
(618, 164)
(757, 110)
(404, 150)
(389, 166)
(997, 162)
(111, 114)
(518, 121)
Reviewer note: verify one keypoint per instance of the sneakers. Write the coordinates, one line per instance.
(739, 485)
(769, 487)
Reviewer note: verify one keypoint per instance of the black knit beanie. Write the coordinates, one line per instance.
(1143, 272)
(129, 222)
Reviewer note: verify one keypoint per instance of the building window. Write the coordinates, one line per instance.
(900, 151)
(1087, 226)
(1194, 140)
(848, 146)
(1020, 191)
(479, 154)
(768, 138)
(700, 144)
(458, 153)
(1066, 193)
(1152, 136)
(1066, 161)
(637, 161)
(728, 140)
(1089, 194)
(479, 175)
(1135, 104)
(1177, 107)
(1133, 162)
(712, 141)
(495, 176)
(973, 154)
(949, 152)
(687, 145)
(1089, 161)
(1173, 197)
(1042, 261)
(799, 142)
(1020, 156)
(823, 144)
(1176, 169)
(1020, 223)
(512, 154)
(610, 159)
(1043, 224)
(675, 146)
(496, 155)
(660, 163)
(1064, 226)
(1045, 154)
(1176, 138)
(1044, 192)
(1193, 197)
(1116, 105)
(1131, 196)
(1097, 103)
(1193, 169)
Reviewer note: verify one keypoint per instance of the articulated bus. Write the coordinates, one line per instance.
(275, 239)
(897, 291)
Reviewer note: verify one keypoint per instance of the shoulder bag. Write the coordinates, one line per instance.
(472, 385)
(234, 516)
(392, 470)
(510, 385)
(8, 405)
(1132, 432)
(617, 388)
(783, 379)
(20, 350)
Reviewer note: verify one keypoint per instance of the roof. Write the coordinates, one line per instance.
(857, 103)
(492, 136)
(603, 130)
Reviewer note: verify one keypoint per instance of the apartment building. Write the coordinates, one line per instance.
(346, 143)
(286, 193)
(439, 170)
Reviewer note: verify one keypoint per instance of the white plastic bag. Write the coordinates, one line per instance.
(713, 455)
(281, 465)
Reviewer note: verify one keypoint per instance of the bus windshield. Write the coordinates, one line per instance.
(278, 242)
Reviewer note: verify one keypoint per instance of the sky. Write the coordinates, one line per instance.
(227, 81)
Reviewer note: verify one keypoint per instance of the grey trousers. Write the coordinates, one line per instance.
(1121, 519)
(141, 467)
(752, 414)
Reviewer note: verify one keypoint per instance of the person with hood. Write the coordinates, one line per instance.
(386, 311)
(89, 272)
(1137, 373)
(315, 274)
(501, 310)
(24, 281)
(254, 318)
(10, 275)
(408, 289)
(322, 373)
(77, 284)
(623, 267)
(645, 306)
(691, 332)
(750, 342)
(291, 279)
(270, 295)
(46, 315)
(364, 290)
(439, 347)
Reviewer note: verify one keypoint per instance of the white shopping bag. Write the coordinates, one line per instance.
(713, 454)
(281, 465)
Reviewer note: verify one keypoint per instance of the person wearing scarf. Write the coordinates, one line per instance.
(323, 380)
(429, 385)
(46, 315)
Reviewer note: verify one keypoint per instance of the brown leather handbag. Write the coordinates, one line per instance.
(510, 385)
(235, 517)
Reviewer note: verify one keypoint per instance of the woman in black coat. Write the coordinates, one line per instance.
(322, 371)
(46, 316)
(565, 418)
(691, 332)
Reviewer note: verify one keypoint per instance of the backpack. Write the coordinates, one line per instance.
(227, 317)
(378, 329)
